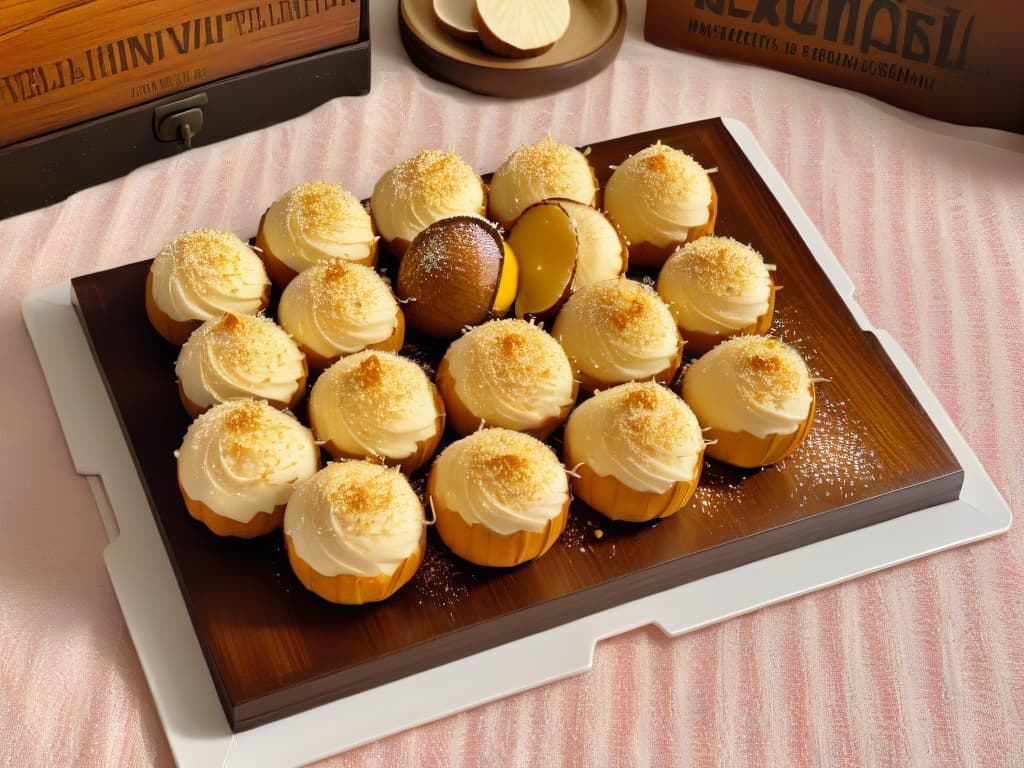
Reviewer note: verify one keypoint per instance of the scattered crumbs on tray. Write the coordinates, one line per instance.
(581, 532)
(575, 534)
(440, 580)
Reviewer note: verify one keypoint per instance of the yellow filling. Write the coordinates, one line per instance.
(508, 283)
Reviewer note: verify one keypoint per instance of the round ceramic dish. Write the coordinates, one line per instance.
(594, 36)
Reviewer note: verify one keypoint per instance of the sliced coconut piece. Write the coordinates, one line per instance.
(456, 18)
(546, 247)
(520, 28)
(603, 251)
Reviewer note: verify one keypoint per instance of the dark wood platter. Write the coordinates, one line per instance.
(275, 649)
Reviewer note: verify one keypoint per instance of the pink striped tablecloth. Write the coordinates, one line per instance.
(918, 665)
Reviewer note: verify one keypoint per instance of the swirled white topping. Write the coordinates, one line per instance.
(657, 195)
(202, 274)
(715, 285)
(245, 457)
(336, 308)
(617, 330)
(755, 384)
(317, 220)
(510, 373)
(536, 172)
(355, 517)
(239, 356)
(374, 403)
(640, 433)
(504, 480)
(429, 186)
(600, 246)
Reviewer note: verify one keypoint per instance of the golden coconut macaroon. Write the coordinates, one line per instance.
(238, 464)
(636, 452)
(380, 406)
(199, 276)
(313, 221)
(240, 356)
(616, 331)
(506, 373)
(499, 497)
(754, 396)
(717, 288)
(336, 308)
(660, 198)
(355, 532)
(429, 186)
(536, 172)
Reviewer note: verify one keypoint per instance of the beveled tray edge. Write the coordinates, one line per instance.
(169, 650)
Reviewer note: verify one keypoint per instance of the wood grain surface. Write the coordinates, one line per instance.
(274, 649)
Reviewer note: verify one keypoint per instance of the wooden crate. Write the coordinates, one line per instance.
(956, 61)
(89, 90)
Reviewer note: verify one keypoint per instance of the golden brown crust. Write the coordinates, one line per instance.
(435, 182)
(280, 274)
(592, 384)
(697, 342)
(178, 331)
(617, 501)
(742, 449)
(408, 464)
(194, 409)
(174, 331)
(479, 544)
(644, 254)
(392, 343)
(464, 422)
(348, 589)
(262, 524)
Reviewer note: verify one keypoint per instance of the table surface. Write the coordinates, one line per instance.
(922, 664)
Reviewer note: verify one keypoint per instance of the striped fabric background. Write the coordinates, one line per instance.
(920, 665)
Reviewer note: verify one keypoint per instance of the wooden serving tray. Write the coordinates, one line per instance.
(274, 649)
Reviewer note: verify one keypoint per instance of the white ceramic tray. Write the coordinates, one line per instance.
(179, 678)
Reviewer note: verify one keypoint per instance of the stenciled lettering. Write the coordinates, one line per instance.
(865, 25)
(150, 47)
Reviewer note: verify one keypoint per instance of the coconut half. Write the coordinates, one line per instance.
(456, 18)
(520, 28)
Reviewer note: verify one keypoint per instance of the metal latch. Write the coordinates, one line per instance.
(180, 119)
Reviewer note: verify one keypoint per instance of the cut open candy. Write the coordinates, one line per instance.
(457, 272)
(545, 243)
(603, 251)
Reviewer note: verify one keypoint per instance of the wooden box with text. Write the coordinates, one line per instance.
(955, 60)
(182, 72)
